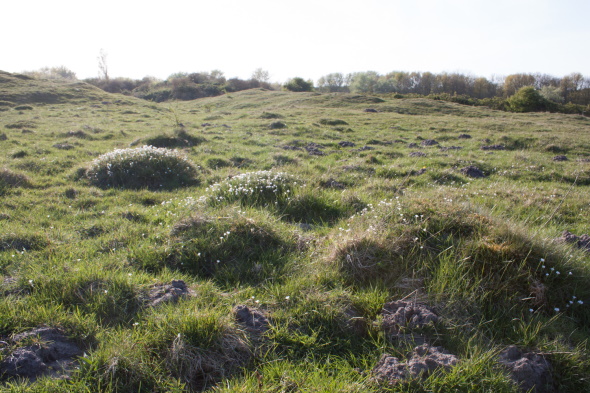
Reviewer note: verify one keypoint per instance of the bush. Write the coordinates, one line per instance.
(144, 167)
(298, 84)
(527, 99)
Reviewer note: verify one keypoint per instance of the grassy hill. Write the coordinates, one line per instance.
(279, 242)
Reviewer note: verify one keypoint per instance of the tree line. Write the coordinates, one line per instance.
(569, 94)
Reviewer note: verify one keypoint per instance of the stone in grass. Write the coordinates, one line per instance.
(49, 352)
(166, 293)
(253, 319)
(531, 371)
(560, 158)
(473, 171)
(403, 315)
(424, 360)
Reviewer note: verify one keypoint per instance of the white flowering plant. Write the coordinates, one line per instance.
(143, 167)
(262, 188)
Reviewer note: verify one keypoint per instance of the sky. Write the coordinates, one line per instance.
(303, 38)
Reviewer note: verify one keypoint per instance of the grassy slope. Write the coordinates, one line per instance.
(470, 248)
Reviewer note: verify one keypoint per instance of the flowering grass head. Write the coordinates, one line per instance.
(144, 167)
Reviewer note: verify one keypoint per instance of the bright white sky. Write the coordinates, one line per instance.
(306, 38)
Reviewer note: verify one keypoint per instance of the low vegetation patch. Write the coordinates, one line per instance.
(145, 167)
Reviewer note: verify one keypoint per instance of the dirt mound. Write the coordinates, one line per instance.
(399, 316)
(417, 154)
(582, 242)
(429, 142)
(464, 136)
(473, 171)
(253, 319)
(493, 147)
(422, 363)
(47, 351)
(531, 371)
(346, 144)
(314, 149)
(166, 293)
(560, 158)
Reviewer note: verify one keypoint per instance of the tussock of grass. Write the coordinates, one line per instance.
(180, 138)
(144, 167)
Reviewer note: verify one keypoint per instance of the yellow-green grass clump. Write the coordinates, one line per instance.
(145, 167)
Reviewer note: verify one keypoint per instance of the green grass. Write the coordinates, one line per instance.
(318, 243)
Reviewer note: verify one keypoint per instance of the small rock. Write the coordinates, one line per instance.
(473, 171)
(531, 371)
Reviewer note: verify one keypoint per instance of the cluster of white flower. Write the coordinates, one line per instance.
(252, 187)
(140, 161)
(552, 272)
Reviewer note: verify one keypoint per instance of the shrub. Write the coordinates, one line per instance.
(527, 99)
(298, 84)
(144, 167)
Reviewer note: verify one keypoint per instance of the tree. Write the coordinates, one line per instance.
(335, 82)
(260, 75)
(514, 82)
(102, 65)
(364, 82)
(298, 84)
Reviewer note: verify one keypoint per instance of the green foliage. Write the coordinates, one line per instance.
(527, 99)
(144, 167)
(298, 85)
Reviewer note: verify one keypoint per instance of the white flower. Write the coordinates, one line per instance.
(543, 260)
(580, 302)
(287, 297)
(556, 309)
